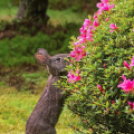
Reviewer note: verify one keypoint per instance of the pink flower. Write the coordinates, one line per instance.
(89, 39)
(111, 31)
(83, 30)
(100, 5)
(133, 30)
(96, 23)
(78, 53)
(91, 28)
(85, 121)
(116, 112)
(104, 65)
(131, 104)
(72, 78)
(99, 12)
(127, 85)
(112, 6)
(107, 19)
(113, 26)
(76, 44)
(126, 64)
(87, 22)
(101, 89)
(112, 102)
(96, 14)
(90, 32)
(132, 62)
(107, 7)
(82, 39)
(104, 1)
(89, 35)
(79, 42)
(104, 5)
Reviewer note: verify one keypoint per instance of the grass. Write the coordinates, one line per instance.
(7, 10)
(58, 17)
(8, 13)
(16, 107)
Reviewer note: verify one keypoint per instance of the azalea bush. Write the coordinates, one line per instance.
(101, 71)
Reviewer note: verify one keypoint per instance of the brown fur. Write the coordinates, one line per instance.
(47, 111)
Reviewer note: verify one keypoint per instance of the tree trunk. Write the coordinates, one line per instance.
(33, 9)
(22, 9)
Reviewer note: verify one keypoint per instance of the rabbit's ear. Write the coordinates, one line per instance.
(42, 60)
(43, 52)
(42, 56)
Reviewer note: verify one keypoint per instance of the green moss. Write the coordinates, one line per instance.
(15, 109)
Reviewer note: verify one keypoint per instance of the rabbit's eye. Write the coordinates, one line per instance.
(58, 59)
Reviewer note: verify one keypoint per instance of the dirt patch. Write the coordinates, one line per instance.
(13, 77)
(28, 27)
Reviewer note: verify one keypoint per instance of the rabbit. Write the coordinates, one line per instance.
(47, 111)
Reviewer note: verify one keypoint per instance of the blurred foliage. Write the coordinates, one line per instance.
(8, 3)
(20, 42)
(21, 49)
(75, 5)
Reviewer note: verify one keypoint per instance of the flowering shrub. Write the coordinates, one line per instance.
(101, 72)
